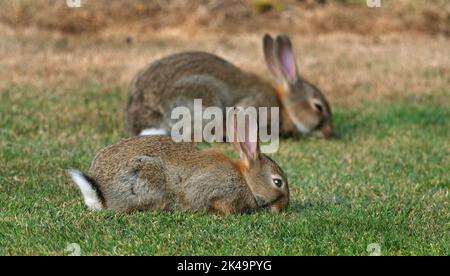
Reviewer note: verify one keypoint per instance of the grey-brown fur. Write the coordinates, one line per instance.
(155, 173)
(178, 79)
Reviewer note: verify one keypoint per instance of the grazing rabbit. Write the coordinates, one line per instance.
(155, 173)
(178, 79)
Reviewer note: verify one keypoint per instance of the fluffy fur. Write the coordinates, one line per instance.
(155, 173)
(178, 79)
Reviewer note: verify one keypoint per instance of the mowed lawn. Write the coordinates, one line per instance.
(384, 180)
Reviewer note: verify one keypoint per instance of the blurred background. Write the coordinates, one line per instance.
(353, 52)
(232, 16)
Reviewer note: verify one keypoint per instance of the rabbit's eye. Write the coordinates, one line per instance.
(278, 182)
(318, 106)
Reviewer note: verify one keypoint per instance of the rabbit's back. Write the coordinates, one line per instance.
(164, 78)
(115, 157)
(178, 79)
(153, 172)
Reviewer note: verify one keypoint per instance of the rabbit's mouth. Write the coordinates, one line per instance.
(275, 206)
(261, 202)
(264, 204)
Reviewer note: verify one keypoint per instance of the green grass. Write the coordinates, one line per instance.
(385, 180)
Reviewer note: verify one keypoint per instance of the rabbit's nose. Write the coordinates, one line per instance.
(324, 132)
(328, 131)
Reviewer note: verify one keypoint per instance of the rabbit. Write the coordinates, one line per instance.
(178, 79)
(156, 173)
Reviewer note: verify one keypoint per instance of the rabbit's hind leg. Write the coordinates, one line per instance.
(141, 185)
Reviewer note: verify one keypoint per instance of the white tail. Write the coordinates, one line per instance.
(91, 194)
(153, 132)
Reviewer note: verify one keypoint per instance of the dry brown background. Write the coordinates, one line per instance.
(352, 52)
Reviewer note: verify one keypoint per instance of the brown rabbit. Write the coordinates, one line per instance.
(155, 173)
(178, 79)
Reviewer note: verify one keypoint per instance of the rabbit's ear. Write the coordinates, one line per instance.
(269, 55)
(284, 53)
(245, 137)
(232, 127)
(250, 146)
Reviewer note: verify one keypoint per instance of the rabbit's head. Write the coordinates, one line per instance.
(266, 180)
(303, 103)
